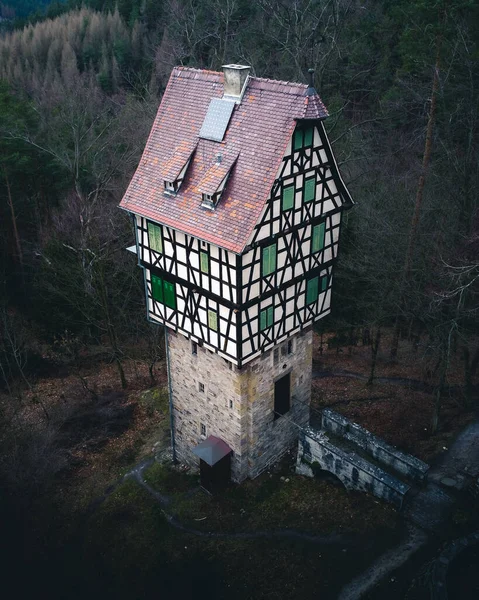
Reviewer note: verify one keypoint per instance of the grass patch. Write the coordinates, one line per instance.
(270, 502)
(169, 481)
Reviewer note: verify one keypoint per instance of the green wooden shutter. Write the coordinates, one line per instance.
(212, 320)
(309, 189)
(324, 283)
(288, 197)
(312, 290)
(204, 262)
(154, 237)
(269, 259)
(298, 139)
(262, 320)
(272, 258)
(170, 295)
(318, 237)
(308, 136)
(269, 316)
(157, 288)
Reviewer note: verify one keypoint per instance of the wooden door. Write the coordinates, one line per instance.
(282, 395)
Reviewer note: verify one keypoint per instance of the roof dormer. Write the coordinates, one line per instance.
(175, 167)
(214, 181)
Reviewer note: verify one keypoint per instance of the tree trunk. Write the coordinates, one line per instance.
(374, 355)
(438, 396)
(14, 219)
(467, 376)
(419, 194)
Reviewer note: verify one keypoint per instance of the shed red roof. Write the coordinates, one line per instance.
(257, 136)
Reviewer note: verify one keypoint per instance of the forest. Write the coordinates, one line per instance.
(80, 83)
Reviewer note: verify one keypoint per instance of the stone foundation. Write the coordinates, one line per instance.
(210, 396)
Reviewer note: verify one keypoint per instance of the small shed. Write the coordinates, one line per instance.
(215, 463)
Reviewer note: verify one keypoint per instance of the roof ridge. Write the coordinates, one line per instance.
(195, 70)
(280, 81)
(260, 79)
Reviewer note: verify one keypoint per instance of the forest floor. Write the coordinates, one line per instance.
(399, 412)
(96, 532)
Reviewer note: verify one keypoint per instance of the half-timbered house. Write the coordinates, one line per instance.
(237, 205)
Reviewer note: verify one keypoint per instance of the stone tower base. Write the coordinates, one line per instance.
(211, 396)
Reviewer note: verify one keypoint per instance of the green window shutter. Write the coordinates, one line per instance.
(212, 320)
(204, 262)
(308, 137)
(312, 290)
(318, 237)
(266, 318)
(269, 316)
(157, 288)
(262, 320)
(269, 259)
(324, 283)
(170, 295)
(298, 139)
(288, 197)
(272, 258)
(309, 189)
(154, 237)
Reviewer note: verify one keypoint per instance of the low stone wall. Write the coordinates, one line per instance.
(315, 451)
(404, 464)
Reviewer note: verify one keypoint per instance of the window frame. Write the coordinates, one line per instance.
(306, 181)
(290, 205)
(204, 256)
(166, 289)
(266, 318)
(266, 259)
(317, 242)
(212, 314)
(155, 235)
(303, 137)
(312, 290)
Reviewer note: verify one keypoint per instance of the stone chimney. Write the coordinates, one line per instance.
(235, 80)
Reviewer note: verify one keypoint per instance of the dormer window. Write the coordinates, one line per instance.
(170, 187)
(207, 201)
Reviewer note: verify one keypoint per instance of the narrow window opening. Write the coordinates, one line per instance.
(231, 403)
(290, 347)
(203, 429)
(282, 396)
(194, 348)
(284, 349)
(201, 387)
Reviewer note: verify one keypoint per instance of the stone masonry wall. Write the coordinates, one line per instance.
(402, 463)
(316, 451)
(265, 437)
(217, 407)
(237, 405)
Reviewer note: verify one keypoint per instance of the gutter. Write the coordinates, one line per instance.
(170, 396)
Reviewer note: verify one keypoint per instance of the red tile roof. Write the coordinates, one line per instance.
(258, 134)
